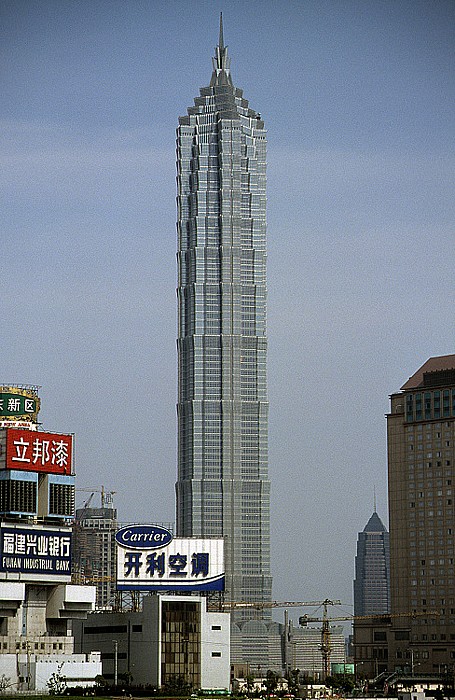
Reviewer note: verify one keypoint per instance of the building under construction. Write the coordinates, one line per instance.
(94, 548)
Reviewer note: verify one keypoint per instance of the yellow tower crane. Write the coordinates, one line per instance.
(326, 647)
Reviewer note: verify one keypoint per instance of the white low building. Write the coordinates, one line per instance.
(173, 636)
(34, 671)
(35, 635)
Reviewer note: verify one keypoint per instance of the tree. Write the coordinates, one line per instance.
(177, 685)
(5, 683)
(126, 677)
(249, 683)
(341, 681)
(100, 682)
(271, 682)
(293, 680)
(56, 682)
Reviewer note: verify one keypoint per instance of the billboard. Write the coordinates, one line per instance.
(35, 552)
(31, 450)
(19, 404)
(149, 558)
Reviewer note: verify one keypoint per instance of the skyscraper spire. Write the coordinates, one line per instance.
(221, 62)
(221, 40)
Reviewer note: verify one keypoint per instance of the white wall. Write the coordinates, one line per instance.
(8, 668)
(215, 655)
(71, 601)
(77, 668)
(81, 669)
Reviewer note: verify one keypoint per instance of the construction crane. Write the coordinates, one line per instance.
(235, 605)
(326, 648)
(326, 645)
(106, 496)
(326, 634)
(305, 619)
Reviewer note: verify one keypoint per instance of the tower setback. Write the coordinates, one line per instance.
(222, 485)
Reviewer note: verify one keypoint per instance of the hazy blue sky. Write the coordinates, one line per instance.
(357, 97)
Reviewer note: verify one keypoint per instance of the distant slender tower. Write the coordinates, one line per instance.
(372, 569)
(222, 485)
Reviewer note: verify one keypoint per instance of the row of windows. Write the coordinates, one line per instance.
(429, 454)
(430, 405)
(36, 645)
(423, 583)
(432, 562)
(434, 638)
(429, 504)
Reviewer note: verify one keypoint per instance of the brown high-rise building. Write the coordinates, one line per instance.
(421, 458)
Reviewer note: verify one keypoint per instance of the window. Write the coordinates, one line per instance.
(106, 655)
(380, 636)
(216, 627)
(216, 654)
(401, 635)
(106, 629)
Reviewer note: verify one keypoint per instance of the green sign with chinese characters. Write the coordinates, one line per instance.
(17, 405)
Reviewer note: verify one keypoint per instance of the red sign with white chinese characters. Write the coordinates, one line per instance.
(31, 450)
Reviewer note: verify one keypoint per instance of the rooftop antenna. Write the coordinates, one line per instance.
(221, 39)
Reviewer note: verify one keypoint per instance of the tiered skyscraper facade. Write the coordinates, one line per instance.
(222, 485)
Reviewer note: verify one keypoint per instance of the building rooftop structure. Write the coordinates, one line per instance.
(432, 370)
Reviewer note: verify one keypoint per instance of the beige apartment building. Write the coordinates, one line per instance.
(421, 458)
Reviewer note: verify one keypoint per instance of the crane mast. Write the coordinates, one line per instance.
(326, 646)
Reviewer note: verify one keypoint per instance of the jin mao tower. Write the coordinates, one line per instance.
(222, 486)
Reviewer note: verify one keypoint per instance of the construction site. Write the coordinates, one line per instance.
(94, 549)
(316, 646)
(285, 646)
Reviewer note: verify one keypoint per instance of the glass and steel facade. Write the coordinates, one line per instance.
(181, 642)
(372, 569)
(222, 485)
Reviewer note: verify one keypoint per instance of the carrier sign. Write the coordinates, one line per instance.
(150, 559)
(143, 537)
